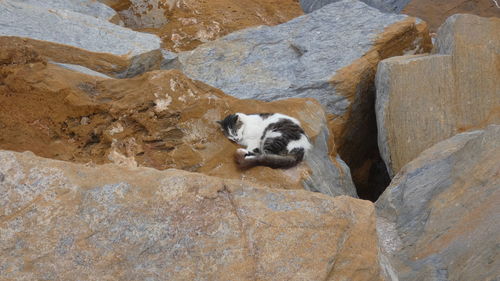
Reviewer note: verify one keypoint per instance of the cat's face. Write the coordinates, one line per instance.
(232, 127)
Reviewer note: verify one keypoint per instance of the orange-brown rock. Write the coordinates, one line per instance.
(422, 100)
(160, 119)
(183, 25)
(435, 12)
(62, 220)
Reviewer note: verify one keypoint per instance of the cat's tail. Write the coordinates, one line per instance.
(270, 160)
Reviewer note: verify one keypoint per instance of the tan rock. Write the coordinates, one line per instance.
(185, 24)
(435, 12)
(422, 100)
(161, 119)
(61, 220)
(438, 220)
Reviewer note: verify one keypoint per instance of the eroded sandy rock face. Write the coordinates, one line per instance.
(422, 100)
(161, 119)
(330, 54)
(62, 220)
(185, 24)
(438, 220)
(435, 12)
(69, 37)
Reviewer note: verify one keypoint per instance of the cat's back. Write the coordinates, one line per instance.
(270, 118)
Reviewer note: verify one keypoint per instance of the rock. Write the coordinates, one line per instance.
(184, 25)
(422, 100)
(387, 6)
(435, 12)
(117, 5)
(61, 220)
(438, 220)
(82, 69)
(295, 59)
(87, 7)
(146, 13)
(84, 40)
(160, 119)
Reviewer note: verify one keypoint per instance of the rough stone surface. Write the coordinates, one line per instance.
(87, 7)
(435, 12)
(61, 220)
(160, 119)
(438, 220)
(183, 25)
(84, 40)
(330, 54)
(422, 100)
(388, 6)
(147, 13)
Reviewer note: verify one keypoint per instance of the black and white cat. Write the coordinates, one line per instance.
(271, 139)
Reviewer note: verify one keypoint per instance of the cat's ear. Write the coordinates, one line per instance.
(219, 122)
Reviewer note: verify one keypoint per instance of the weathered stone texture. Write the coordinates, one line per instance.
(84, 40)
(422, 100)
(62, 220)
(438, 220)
(184, 25)
(161, 119)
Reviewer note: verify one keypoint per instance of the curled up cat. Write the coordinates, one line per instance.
(271, 139)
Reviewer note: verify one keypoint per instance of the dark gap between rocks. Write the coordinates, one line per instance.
(361, 152)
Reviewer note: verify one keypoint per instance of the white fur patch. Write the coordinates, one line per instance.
(303, 142)
(253, 128)
(241, 151)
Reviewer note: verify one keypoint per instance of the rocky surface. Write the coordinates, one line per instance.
(295, 59)
(87, 7)
(422, 100)
(183, 25)
(438, 220)
(387, 6)
(160, 119)
(435, 12)
(61, 220)
(85, 40)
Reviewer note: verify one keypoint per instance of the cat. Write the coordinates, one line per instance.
(271, 139)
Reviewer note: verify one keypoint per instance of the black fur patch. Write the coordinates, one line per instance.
(230, 124)
(264, 116)
(289, 132)
(288, 129)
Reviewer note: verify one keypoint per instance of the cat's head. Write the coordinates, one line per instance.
(232, 126)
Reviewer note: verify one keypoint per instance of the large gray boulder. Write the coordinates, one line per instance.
(68, 37)
(87, 7)
(438, 220)
(387, 6)
(422, 100)
(65, 221)
(294, 59)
